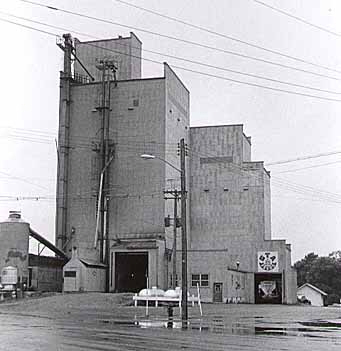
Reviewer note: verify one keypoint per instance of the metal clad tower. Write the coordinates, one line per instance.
(14, 236)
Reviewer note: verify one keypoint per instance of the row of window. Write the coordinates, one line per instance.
(197, 279)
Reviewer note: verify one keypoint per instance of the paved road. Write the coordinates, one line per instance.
(224, 327)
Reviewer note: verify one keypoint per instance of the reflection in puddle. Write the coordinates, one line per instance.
(219, 325)
(323, 324)
(305, 332)
(159, 324)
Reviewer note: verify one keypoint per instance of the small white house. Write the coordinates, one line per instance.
(82, 275)
(312, 293)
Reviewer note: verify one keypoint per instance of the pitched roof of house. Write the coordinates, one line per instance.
(92, 264)
(313, 287)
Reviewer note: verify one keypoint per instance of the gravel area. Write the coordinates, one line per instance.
(59, 305)
(120, 306)
(98, 321)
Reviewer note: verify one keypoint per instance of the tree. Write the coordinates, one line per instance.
(322, 272)
(336, 255)
(303, 268)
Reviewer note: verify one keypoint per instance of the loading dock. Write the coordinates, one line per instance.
(131, 271)
(268, 288)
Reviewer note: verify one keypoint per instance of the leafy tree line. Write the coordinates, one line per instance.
(323, 272)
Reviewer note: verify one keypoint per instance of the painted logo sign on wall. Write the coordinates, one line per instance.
(267, 261)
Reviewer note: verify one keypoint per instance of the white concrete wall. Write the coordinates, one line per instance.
(73, 284)
(314, 296)
(94, 279)
(126, 53)
(226, 194)
(136, 204)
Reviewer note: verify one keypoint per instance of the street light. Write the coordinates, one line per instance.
(153, 157)
(148, 157)
(184, 297)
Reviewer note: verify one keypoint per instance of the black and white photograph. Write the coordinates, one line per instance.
(170, 175)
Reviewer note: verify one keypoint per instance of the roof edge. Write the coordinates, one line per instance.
(314, 288)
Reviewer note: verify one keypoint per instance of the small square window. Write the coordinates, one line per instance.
(70, 274)
(136, 102)
(200, 279)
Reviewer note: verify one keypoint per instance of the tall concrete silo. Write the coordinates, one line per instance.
(14, 236)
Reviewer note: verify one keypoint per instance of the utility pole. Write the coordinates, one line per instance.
(184, 298)
(176, 195)
(174, 237)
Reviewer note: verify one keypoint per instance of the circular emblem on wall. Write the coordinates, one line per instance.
(267, 261)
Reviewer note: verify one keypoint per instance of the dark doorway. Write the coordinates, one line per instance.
(268, 288)
(217, 292)
(131, 271)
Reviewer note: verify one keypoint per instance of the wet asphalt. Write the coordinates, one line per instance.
(223, 327)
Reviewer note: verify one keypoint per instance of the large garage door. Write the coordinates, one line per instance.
(268, 288)
(131, 271)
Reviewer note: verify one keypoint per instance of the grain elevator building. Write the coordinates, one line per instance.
(111, 204)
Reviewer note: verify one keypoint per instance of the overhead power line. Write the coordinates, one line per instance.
(135, 149)
(306, 188)
(135, 145)
(189, 70)
(201, 28)
(220, 77)
(35, 131)
(255, 85)
(46, 24)
(22, 180)
(184, 59)
(28, 27)
(284, 184)
(303, 158)
(307, 167)
(178, 39)
(32, 135)
(297, 18)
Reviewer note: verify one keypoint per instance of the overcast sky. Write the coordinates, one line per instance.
(306, 194)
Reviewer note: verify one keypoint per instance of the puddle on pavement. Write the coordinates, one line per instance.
(148, 323)
(219, 325)
(322, 324)
(290, 331)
